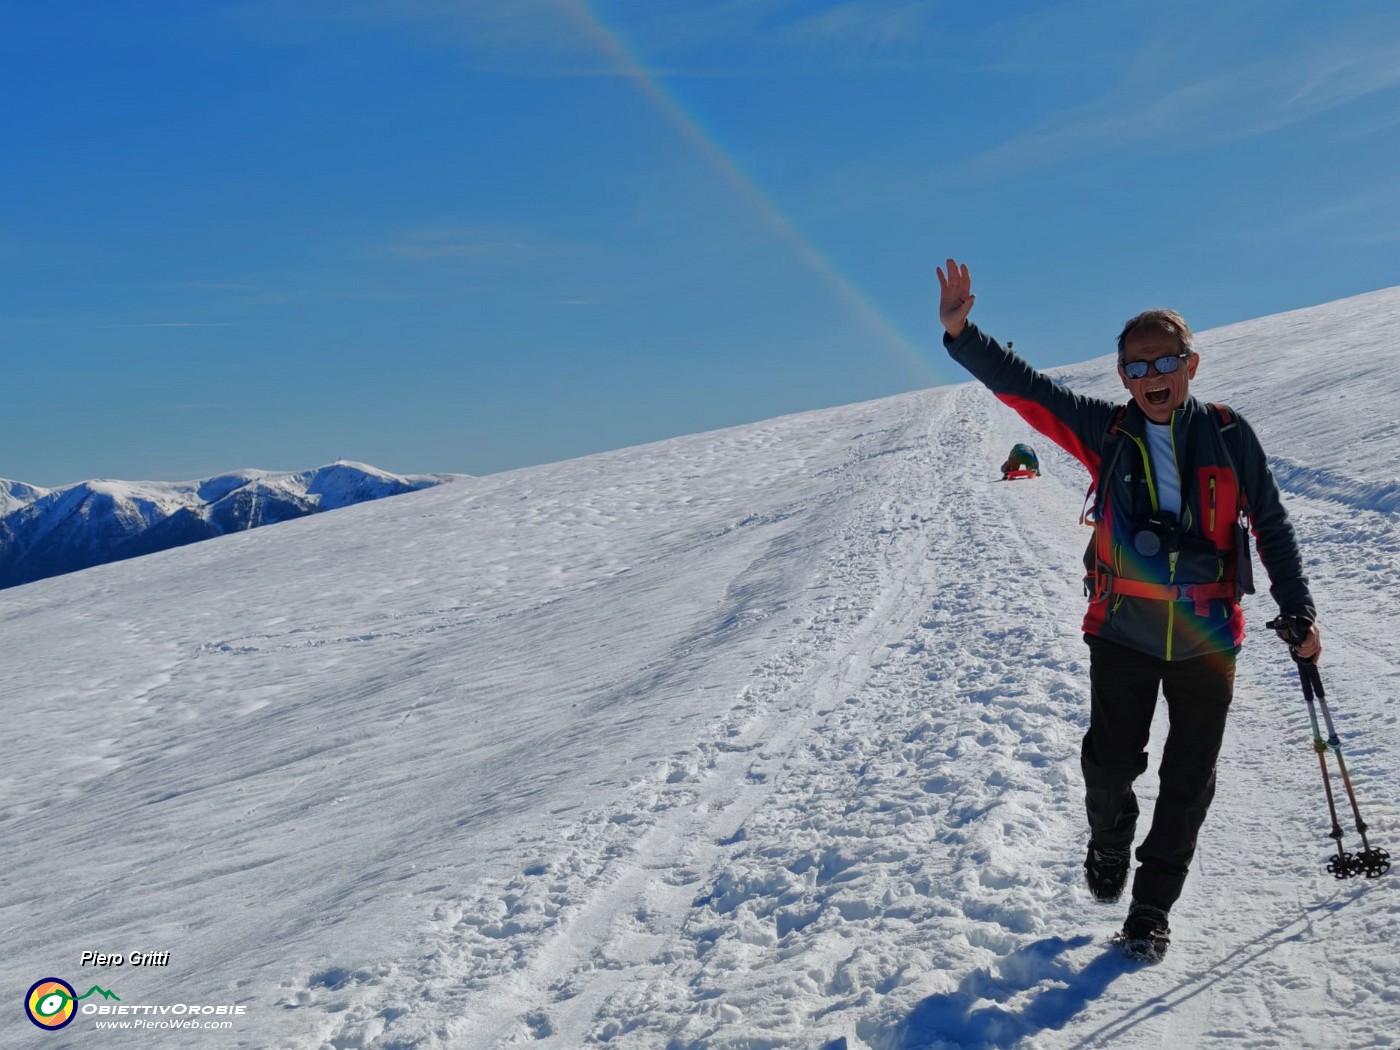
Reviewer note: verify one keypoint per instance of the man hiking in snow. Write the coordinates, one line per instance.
(1174, 480)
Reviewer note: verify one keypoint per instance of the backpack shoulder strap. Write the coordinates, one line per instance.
(1227, 425)
(1112, 443)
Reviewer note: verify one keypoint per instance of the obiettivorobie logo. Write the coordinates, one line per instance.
(52, 1003)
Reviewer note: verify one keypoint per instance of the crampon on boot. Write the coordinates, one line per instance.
(1145, 934)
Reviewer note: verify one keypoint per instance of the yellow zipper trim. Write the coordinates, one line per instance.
(1147, 466)
(1118, 568)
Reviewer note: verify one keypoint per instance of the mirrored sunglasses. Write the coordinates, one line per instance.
(1165, 366)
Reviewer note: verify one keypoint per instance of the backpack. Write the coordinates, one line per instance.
(1227, 426)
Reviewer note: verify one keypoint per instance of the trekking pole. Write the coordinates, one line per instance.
(1344, 865)
(1371, 861)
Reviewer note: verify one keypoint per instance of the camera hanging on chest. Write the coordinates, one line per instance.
(1159, 538)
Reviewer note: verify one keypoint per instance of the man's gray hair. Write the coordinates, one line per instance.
(1168, 321)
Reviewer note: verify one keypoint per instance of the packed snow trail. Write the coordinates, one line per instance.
(881, 843)
(761, 738)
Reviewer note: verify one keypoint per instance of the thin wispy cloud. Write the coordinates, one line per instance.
(539, 38)
(507, 37)
(427, 245)
(168, 406)
(1040, 41)
(178, 324)
(865, 24)
(1243, 102)
(1390, 236)
(245, 295)
(778, 37)
(1364, 218)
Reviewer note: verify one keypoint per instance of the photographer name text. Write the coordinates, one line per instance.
(132, 959)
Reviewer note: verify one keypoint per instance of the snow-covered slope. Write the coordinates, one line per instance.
(1318, 386)
(46, 532)
(760, 738)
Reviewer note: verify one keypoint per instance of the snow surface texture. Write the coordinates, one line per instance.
(47, 532)
(760, 738)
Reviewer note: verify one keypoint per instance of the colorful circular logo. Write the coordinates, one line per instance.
(50, 1003)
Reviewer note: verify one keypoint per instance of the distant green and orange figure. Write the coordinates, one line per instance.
(1022, 463)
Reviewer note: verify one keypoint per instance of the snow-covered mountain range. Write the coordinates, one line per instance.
(756, 739)
(46, 532)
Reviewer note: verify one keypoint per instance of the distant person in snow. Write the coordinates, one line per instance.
(1176, 482)
(1022, 457)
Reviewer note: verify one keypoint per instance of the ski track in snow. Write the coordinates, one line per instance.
(763, 738)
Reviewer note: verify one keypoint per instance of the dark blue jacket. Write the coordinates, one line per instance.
(1224, 476)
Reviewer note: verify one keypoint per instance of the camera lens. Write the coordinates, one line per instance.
(1147, 543)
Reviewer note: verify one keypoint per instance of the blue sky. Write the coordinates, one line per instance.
(469, 235)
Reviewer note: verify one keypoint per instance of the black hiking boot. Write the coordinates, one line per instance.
(1145, 935)
(1106, 871)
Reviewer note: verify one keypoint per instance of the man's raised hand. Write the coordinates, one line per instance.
(955, 297)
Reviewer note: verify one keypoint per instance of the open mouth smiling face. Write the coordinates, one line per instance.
(1157, 397)
(1156, 394)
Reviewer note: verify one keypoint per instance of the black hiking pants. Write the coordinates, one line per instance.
(1123, 695)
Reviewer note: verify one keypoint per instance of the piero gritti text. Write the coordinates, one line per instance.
(130, 959)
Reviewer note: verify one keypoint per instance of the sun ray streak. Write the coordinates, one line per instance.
(618, 51)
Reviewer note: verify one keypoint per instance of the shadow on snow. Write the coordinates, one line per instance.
(961, 1018)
